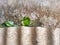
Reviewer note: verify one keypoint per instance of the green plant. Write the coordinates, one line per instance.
(25, 21)
(8, 23)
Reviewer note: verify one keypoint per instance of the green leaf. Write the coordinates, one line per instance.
(25, 21)
(8, 23)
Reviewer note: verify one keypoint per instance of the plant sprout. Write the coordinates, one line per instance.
(25, 21)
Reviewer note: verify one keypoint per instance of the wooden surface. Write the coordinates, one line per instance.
(29, 36)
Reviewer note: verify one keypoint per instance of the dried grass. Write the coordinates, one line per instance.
(34, 12)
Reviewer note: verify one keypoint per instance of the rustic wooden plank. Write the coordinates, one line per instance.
(26, 35)
(42, 36)
(56, 36)
(12, 36)
(2, 36)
